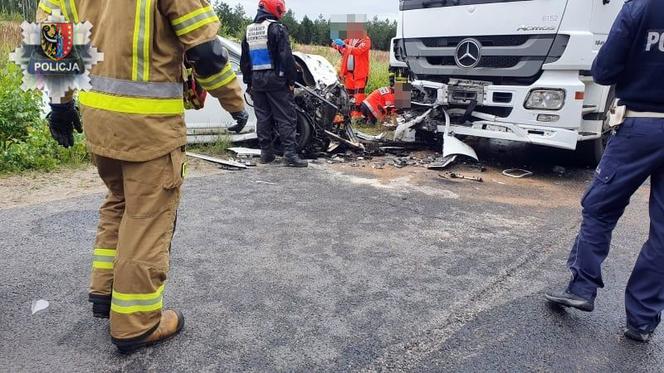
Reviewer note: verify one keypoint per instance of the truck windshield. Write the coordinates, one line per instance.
(424, 4)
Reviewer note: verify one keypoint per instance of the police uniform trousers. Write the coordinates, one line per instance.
(634, 153)
(275, 113)
(131, 255)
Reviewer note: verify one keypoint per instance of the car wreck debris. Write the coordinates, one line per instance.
(222, 162)
(453, 175)
(517, 173)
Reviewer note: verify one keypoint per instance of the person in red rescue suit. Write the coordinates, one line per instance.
(379, 104)
(355, 64)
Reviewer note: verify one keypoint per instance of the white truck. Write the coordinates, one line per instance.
(510, 69)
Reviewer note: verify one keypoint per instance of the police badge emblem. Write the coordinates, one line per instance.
(56, 56)
(57, 40)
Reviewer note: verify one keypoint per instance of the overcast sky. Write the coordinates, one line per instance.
(312, 8)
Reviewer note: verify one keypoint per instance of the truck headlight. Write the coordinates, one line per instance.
(545, 99)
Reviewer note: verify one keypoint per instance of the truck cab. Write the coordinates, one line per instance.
(523, 65)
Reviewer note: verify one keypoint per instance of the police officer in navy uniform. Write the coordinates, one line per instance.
(633, 60)
(269, 71)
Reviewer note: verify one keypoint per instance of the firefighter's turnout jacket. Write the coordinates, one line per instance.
(135, 109)
(134, 124)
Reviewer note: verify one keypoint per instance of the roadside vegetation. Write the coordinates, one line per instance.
(25, 141)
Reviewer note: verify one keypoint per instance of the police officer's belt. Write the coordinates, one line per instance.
(643, 114)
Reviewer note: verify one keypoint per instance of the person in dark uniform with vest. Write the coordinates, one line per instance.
(632, 59)
(269, 71)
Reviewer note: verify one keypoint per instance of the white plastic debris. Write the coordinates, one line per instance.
(39, 305)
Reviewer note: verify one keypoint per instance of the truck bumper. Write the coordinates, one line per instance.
(538, 135)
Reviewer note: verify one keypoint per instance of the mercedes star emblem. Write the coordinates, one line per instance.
(468, 53)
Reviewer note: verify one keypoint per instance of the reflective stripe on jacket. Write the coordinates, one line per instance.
(257, 38)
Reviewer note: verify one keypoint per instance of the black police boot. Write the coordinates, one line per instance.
(567, 299)
(267, 157)
(637, 335)
(293, 160)
(101, 306)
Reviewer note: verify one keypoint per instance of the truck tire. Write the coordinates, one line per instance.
(591, 151)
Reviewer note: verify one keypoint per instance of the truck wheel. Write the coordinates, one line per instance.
(591, 151)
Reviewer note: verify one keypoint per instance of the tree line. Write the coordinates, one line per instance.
(234, 21)
(25, 8)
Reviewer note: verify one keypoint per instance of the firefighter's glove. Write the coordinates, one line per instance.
(241, 117)
(339, 43)
(62, 121)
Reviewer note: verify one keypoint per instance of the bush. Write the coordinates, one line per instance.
(25, 141)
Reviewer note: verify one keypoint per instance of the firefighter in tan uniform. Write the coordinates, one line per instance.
(134, 125)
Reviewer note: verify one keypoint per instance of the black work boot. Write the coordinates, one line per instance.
(567, 299)
(637, 335)
(295, 161)
(101, 306)
(267, 157)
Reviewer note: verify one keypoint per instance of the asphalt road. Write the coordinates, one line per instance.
(315, 270)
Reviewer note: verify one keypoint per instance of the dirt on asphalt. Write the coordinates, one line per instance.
(38, 187)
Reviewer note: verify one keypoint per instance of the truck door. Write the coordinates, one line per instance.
(604, 14)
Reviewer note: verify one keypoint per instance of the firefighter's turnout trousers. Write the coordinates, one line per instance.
(131, 254)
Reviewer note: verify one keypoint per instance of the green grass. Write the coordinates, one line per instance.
(218, 148)
(25, 140)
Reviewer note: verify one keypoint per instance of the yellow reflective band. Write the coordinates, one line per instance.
(132, 105)
(130, 297)
(102, 265)
(147, 41)
(49, 5)
(191, 15)
(45, 8)
(197, 25)
(141, 42)
(137, 27)
(140, 308)
(72, 9)
(218, 80)
(105, 252)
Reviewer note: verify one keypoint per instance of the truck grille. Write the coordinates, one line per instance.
(516, 57)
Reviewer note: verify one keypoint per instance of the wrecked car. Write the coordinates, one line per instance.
(323, 109)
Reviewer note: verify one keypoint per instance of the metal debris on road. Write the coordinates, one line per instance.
(453, 175)
(517, 173)
(443, 163)
(246, 152)
(222, 162)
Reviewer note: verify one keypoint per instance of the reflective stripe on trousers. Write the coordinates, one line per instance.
(132, 303)
(103, 258)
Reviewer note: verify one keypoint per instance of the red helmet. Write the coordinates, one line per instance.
(275, 7)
